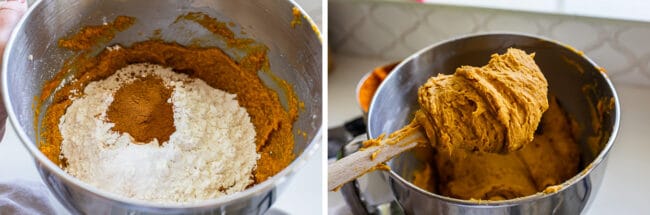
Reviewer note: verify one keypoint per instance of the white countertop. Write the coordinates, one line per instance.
(625, 185)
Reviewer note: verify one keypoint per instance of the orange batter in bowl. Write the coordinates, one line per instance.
(504, 102)
(273, 123)
(552, 158)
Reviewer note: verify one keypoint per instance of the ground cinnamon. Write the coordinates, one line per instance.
(141, 109)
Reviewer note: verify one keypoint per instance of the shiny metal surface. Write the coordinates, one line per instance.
(395, 102)
(32, 57)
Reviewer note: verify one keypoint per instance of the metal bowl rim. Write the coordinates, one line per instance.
(530, 198)
(41, 159)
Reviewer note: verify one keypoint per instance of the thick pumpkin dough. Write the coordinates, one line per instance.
(552, 158)
(495, 108)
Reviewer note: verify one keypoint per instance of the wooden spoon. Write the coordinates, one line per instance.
(372, 157)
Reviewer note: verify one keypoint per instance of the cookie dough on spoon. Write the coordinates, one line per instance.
(494, 108)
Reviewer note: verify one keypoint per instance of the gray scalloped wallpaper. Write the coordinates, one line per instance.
(392, 31)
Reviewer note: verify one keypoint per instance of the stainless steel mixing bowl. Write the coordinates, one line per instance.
(567, 73)
(32, 57)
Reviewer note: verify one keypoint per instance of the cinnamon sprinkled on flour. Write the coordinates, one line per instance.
(211, 152)
(141, 109)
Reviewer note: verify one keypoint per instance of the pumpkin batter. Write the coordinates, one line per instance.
(549, 160)
(273, 124)
(501, 107)
(494, 108)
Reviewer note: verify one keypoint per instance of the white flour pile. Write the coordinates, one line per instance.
(211, 153)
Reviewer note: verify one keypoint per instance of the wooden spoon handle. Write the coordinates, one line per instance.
(370, 158)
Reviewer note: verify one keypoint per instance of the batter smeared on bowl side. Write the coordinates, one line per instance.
(223, 136)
